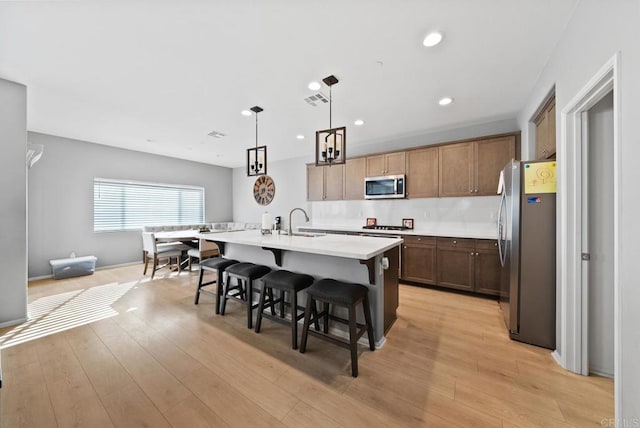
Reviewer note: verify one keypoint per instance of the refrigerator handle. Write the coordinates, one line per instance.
(501, 251)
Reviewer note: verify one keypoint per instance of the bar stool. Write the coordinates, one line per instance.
(285, 282)
(245, 274)
(218, 265)
(332, 292)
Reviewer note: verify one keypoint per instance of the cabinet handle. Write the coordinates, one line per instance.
(419, 239)
(477, 254)
(405, 247)
(495, 244)
(455, 242)
(471, 253)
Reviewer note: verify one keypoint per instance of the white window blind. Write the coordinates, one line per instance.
(126, 205)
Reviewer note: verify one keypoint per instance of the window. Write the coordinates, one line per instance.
(129, 205)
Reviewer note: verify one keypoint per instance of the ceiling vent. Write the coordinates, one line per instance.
(216, 134)
(316, 98)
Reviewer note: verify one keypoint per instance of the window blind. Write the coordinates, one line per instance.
(127, 205)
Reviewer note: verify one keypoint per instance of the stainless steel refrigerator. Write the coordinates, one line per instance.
(527, 249)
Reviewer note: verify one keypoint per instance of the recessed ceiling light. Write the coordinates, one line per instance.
(432, 39)
(300, 137)
(314, 86)
(445, 101)
(245, 113)
(359, 122)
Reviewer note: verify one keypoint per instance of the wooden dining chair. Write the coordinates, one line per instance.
(206, 249)
(158, 254)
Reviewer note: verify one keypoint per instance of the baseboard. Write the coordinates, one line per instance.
(13, 322)
(35, 278)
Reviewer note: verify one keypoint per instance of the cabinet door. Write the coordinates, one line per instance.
(422, 173)
(354, 173)
(334, 182)
(375, 166)
(315, 183)
(455, 169)
(455, 263)
(546, 131)
(551, 132)
(395, 163)
(491, 156)
(419, 263)
(488, 271)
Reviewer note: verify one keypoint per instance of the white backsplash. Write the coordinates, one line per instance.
(475, 213)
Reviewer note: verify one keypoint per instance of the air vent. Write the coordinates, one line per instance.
(216, 134)
(316, 98)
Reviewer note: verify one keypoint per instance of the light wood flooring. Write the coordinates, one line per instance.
(137, 352)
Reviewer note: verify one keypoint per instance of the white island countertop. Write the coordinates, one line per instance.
(347, 246)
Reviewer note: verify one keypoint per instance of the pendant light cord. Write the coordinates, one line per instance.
(330, 103)
(256, 133)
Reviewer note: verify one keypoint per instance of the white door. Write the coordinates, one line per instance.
(598, 235)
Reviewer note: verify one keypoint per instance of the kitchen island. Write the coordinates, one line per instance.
(371, 261)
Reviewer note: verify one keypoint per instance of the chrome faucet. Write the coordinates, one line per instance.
(306, 218)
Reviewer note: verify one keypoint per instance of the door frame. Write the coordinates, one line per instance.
(572, 293)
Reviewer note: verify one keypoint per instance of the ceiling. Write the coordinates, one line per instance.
(158, 76)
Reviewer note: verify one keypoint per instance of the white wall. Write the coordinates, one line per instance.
(601, 308)
(61, 198)
(13, 207)
(596, 31)
(290, 178)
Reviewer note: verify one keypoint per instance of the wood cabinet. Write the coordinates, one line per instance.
(422, 173)
(419, 259)
(455, 170)
(458, 263)
(487, 267)
(491, 155)
(325, 183)
(355, 171)
(386, 164)
(546, 131)
(473, 168)
(455, 263)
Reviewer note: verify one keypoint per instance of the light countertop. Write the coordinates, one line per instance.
(347, 246)
(448, 230)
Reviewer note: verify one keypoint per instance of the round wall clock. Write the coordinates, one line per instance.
(264, 190)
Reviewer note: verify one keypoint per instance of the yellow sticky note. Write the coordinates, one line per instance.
(540, 177)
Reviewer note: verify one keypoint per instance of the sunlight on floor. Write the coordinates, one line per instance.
(52, 314)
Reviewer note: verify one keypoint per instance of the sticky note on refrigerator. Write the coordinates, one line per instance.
(540, 177)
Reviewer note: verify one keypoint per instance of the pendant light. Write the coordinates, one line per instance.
(256, 156)
(331, 143)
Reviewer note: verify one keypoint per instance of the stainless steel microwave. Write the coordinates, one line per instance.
(385, 187)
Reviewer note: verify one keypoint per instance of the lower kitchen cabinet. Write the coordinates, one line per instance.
(457, 263)
(487, 267)
(419, 259)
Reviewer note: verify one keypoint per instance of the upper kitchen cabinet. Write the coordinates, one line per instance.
(473, 168)
(491, 156)
(386, 164)
(355, 171)
(455, 169)
(422, 173)
(325, 183)
(546, 131)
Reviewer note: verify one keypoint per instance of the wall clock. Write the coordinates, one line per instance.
(264, 190)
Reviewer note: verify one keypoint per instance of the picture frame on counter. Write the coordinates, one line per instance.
(371, 221)
(407, 223)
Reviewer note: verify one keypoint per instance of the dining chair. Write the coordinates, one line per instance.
(157, 254)
(206, 249)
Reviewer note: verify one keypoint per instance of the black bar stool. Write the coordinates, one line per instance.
(245, 274)
(285, 282)
(332, 292)
(218, 265)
